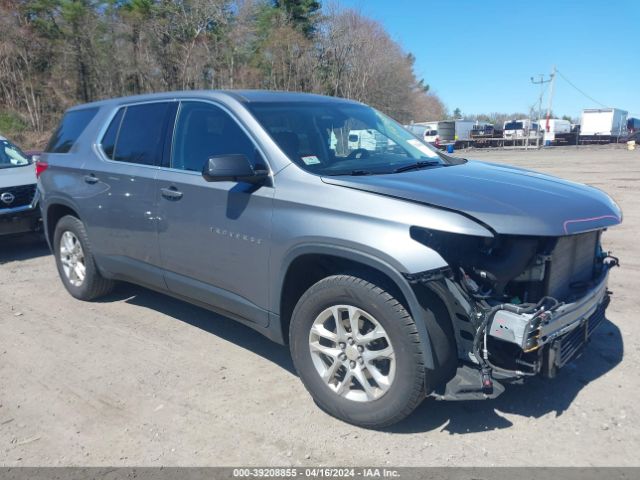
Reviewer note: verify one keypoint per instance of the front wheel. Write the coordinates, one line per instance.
(357, 351)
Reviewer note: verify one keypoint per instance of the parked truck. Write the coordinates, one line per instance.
(522, 128)
(556, 131)
(602, 125)
(444, 132)
(485, 134)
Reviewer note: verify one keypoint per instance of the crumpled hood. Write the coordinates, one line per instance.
(510, 200)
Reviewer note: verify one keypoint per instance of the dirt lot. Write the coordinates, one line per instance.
(142, 379)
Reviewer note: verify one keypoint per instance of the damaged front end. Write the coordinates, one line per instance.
(520, 305)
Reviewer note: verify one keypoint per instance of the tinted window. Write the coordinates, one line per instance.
(140, 137)
(72, 125)
(203, 131)
(111, 136)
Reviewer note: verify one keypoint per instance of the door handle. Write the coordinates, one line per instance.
(171, 193)
(90, 179)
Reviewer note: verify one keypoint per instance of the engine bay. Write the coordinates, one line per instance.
(518, 299)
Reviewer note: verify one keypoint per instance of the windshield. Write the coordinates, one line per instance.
(12, 156)
(513, 126)
(335, 138)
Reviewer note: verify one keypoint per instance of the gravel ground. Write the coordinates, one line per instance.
(142, 379)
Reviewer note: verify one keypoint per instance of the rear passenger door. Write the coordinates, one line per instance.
(124, 217)
(214, 236)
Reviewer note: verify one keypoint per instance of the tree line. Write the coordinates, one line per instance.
(58, 53)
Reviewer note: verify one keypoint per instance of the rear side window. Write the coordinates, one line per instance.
(72, 125)
(135, 135)
(111, 136)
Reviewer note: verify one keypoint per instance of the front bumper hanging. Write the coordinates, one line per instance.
(556, 336)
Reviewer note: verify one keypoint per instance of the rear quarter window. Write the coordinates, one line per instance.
(136, 133)
(71, 127)
(111, 135)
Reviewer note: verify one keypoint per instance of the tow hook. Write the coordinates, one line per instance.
(487, 382)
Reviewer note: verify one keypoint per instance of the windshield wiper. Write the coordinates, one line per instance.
(354, 173)
(357, 173)
(417, 166)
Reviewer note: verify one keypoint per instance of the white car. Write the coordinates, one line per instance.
(19, 211)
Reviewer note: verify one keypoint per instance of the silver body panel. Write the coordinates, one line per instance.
(227, 245)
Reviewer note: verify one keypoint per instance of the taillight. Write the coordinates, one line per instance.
(41, 167)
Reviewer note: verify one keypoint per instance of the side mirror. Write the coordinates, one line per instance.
(233, 168)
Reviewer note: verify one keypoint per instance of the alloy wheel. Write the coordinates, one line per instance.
(72, 258)
(352, 353)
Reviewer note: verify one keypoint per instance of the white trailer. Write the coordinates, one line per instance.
(463, 130)
(554, 129)
(602, 124)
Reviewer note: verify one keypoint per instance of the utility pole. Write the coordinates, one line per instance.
(553, 82)
(540, 82)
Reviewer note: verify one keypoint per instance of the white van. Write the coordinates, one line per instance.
(427, 131)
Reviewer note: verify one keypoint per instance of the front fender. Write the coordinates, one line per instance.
(375, 262)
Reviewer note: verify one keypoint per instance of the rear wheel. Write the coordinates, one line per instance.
(357, 351)
(75, 262)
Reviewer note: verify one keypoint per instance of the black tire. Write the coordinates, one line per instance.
(408, 387)
(94, 284)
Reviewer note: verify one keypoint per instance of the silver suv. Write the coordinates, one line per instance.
(393, 271)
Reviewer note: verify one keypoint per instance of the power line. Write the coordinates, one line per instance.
(580, 90)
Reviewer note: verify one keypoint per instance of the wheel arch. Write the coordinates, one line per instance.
(310, 263)
(52, 215)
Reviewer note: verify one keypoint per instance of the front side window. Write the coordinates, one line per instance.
(12, 156)
(336, 138)
(72, 125)
(136, 134)
(203, 131)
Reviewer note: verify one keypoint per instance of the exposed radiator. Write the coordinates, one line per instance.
(572, 264)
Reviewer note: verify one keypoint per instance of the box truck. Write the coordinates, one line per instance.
(602, 125)
(556, 131)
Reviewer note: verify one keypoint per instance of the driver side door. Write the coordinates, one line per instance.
(214, 236)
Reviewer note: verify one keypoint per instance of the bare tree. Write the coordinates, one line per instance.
(57, 53)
